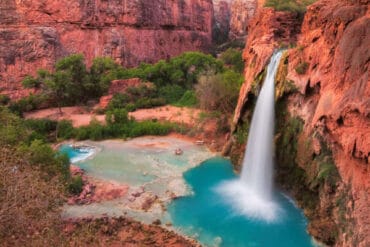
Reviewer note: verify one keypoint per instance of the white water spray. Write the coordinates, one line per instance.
(252, 193)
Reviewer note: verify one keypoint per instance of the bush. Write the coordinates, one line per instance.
(12, 129)
(234, 58)
(65, 129)
(30, 82)
(301, 68)
(216, 91)
(117, 116)
(76, 185)
(149, 128)
(119, 101)
(30, 103)
(4, 99)
(42, 155)
(289, 5)
(189, 99)
(182, 70)
(171, 93)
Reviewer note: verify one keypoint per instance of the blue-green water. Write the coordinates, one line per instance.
(207, 216)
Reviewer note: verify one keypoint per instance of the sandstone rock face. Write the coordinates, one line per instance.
(330, 70)
(35, 33)
(334, 45)
(242, 11)
(267, 30)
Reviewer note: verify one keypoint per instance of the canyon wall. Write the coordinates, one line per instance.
(323, 113)
(241, 12)
(35, 33)
(221, 23)
(232, 17)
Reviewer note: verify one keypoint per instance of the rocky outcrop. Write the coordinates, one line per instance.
(323, 114)
(34, 34)
(267, 31)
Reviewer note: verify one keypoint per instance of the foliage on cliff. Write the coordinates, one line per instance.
(298, 6)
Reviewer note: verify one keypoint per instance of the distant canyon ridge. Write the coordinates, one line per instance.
(36, 33)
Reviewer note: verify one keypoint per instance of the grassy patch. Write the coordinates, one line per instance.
(298, 6)
(302, 68)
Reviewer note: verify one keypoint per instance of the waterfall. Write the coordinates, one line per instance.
(257, 170)
(251, 195)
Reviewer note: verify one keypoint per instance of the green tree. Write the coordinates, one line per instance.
(72, 70)
(219, 91)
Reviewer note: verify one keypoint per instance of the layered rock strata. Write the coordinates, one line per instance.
(34, 34)
(323, 100)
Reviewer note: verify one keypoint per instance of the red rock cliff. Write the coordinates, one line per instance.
(35, 33)
(329, 68)
(242, 11)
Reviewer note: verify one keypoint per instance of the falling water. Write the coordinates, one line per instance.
(258, 161)
(252, 193)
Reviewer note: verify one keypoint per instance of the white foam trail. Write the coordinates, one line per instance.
(246, 203)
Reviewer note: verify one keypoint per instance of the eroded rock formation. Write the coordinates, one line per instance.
(324, 103)
(221, 24)
(34, 33)
(242, 11)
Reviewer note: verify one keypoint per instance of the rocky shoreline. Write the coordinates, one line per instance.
(123, 231)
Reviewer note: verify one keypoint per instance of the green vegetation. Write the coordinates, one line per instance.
(233, 57)
(75, 187)
(189, 99)
(4, 99)
(173, 82)
(241, 133)
(182, 70)
(219, 91)
(301, 68)
(71, 83)
(283, 85)
(27, 137)
(298, 6)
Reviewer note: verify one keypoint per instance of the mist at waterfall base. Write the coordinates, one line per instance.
(229, 211)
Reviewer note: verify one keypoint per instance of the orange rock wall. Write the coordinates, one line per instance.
(333, 97)
(35, 33)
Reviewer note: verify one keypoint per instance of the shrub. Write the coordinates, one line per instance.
(42, 126)
(301, 68)
(171, 93)
(30, 103)
(149, 128)
(4, 99)
(76, 185)
(234, 58)
(117, 116)
(31, 82)
(189, 99)
(65, 129)
(216, 91)
(12, 129)
(42, 155)
(119, 101)
(289, 5)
